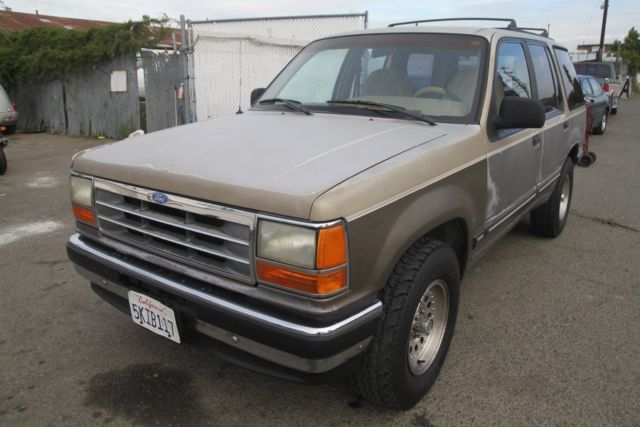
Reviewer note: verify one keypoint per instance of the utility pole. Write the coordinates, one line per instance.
(604, 27)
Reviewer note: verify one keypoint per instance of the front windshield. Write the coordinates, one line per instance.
(433, 74)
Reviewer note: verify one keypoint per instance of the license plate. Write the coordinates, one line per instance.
(153, 315)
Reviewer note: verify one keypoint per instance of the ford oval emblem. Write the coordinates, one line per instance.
(159, 198)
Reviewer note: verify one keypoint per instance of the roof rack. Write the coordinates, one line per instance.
(543, 31)
(511, 26)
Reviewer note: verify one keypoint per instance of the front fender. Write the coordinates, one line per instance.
(379, 238)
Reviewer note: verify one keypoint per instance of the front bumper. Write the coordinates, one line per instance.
(237, 329)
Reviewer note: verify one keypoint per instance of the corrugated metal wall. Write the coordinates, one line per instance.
(163, 74)
(233, 57)
(40, 107)
(83, 103)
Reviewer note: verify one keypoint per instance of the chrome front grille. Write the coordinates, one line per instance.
(203, 235)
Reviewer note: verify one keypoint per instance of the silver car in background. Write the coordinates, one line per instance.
(8, 113)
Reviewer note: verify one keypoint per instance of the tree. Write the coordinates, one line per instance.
(631, 51)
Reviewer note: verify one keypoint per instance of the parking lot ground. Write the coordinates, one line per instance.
(548, 330)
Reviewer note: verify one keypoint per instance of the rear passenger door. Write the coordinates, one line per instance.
(547, 91)
(574, 112)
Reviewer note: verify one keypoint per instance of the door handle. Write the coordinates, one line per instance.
(537, 139)
(565, 125)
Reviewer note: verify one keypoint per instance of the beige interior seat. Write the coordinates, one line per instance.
(386, 82)
(463, 86)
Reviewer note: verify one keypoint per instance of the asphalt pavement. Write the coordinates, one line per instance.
(548, 330)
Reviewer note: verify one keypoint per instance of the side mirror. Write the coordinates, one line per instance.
(520, 113)
(256, 94)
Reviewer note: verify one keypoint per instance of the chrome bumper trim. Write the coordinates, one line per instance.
(177, 288)
(312, 366)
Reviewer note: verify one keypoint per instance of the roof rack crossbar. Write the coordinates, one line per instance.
(511, 26)
(543, 31)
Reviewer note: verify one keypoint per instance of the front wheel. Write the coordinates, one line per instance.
(409, 346)
(549, 219)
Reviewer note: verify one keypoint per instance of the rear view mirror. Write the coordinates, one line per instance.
(520, 113)
(256, 94)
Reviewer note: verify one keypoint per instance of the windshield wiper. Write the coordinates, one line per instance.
(395, 108)
(291, 104)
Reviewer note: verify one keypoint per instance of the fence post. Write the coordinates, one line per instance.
(184, 51)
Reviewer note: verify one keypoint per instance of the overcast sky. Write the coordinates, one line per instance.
(572, 21)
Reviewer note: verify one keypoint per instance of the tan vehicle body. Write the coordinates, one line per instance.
(391, 181)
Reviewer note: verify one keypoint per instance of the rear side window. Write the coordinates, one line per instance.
(545, 78)
(570, 81)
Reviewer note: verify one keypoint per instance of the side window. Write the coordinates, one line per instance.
(322, 70)
(570, 81)
(512, 75)
(586, 88)
(545, 79)
(597, 89)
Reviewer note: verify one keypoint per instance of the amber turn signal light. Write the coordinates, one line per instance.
(331, 250)
(311, 283)
(84, 215)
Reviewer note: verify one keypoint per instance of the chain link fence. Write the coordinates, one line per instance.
(233, 57)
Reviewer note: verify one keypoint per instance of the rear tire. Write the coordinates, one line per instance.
(549, 219)
(413, 336)
(10, 130)
(3, 162)
(602, 126)
(614, 110)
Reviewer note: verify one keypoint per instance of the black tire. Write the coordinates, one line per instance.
(602, 126)
(549, 219)
(384, 376)
(3, 162)
(614, 111)
(10, 130)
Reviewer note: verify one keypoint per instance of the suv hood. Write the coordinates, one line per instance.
(265, 161)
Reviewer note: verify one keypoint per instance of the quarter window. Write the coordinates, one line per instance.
(545, 79)
(570, 81)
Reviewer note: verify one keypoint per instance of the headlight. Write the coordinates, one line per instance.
(316, 253)
(289, 244)
(82, 199)
(81, 191)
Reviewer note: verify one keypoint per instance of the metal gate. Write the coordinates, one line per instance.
(232, 57)
(164, 75)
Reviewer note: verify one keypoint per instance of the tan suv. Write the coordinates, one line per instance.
(325, 231)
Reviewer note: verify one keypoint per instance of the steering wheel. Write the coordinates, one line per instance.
(436, 92)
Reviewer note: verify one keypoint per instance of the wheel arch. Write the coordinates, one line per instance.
(446, 213)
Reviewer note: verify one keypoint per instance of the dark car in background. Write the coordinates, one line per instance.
(605, 74)
(599, 102)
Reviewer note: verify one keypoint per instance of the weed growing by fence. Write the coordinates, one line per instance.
(44, 54)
